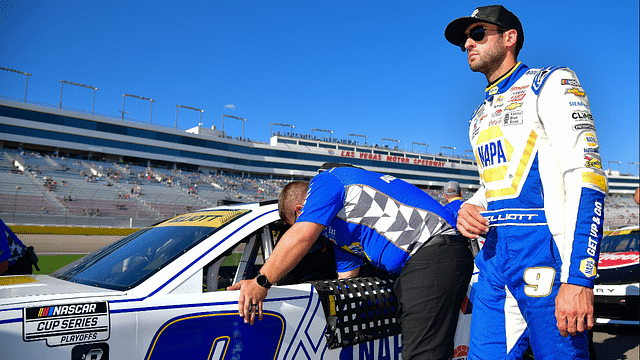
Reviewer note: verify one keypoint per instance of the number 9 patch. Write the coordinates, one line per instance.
(539, 281)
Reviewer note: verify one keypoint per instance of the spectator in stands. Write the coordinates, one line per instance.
(15, 257)
(453, 196)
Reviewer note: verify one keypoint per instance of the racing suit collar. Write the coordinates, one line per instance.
(505, 81)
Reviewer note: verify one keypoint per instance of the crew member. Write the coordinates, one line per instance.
(396, 226)
(453, 196)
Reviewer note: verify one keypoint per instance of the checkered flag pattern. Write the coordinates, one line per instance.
(405, 226)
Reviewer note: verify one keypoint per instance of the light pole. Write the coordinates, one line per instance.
(364, 136)
(62, 82)
(237, 118)
(397, 141)
(613, 161)
(447, 147)
(329, 131)
(418, 143)
(21, 73)
(15, 202)
(471, 151)
(141, 98)
(271, 127)
(190, 108)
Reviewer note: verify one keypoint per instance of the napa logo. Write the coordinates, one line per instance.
(493, 153)
(383, 349)
(591, 139)
(354, 248)
(588, 267)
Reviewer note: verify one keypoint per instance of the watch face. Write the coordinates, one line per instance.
(263, 281)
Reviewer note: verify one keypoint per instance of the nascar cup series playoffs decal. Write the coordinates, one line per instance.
(67, 324)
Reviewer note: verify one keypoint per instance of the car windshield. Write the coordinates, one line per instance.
(129, 261)
(620, 241)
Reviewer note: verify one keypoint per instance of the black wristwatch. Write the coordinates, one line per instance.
(263, 281)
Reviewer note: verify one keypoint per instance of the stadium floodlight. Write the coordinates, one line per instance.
(472, 153)
(234, 117)
(419, 143)
(397, 141)
(447, 147)
(364, 136)
(21, 73)
(141, 98)
(278, 124)
(329, 131)
(62, 82)
(190, 108)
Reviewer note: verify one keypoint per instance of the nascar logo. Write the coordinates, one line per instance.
(67, 310)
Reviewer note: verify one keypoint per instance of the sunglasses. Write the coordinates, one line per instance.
(476, 34)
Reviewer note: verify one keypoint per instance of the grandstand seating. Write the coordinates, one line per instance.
(80, 190)
(90, 191)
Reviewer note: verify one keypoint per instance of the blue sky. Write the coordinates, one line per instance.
(377, 68)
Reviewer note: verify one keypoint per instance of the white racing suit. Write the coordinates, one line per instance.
(543, 187)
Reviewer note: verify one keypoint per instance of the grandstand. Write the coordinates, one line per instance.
(40, 188)
(62, 167)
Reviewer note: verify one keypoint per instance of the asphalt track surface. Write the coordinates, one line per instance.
(610, 342)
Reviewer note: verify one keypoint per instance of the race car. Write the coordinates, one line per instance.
(618, 279)
(160, 293)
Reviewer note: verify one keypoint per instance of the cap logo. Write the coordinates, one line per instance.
(475, 12)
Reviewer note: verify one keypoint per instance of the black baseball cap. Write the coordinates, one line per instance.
(492, 14)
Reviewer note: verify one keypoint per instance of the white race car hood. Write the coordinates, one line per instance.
(15, 290)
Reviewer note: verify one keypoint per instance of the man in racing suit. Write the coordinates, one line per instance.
(398, 228)
(543, 190)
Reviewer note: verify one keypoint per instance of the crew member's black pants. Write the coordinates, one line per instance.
(430, 290)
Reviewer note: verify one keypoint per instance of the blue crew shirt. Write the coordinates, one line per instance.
(373, 215)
